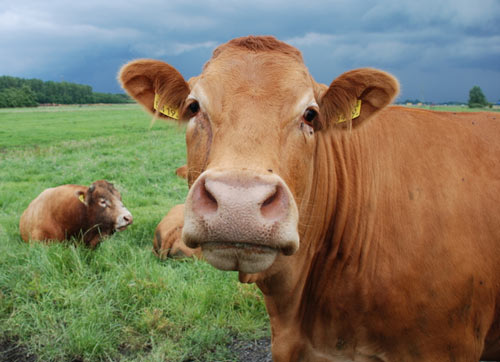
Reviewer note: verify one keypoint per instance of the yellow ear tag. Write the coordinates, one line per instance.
(82, 198)
(166, 110)
(355, 112)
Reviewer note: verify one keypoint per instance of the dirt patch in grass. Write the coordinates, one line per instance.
(10, 350)
(245, 351)
(252, 351)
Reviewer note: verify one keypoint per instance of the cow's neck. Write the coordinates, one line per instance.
(90, 229)
(348, 172)
(334, 242)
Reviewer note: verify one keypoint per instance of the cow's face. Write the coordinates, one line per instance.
(248, 141)
(254, 115)
(105, 208)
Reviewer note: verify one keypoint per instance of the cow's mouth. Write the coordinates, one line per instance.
(121, 228)
(244, 257)
(255, 248)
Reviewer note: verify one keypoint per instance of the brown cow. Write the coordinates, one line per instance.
(182, 172)
(372, 231)
(66, 211)
(167, 241)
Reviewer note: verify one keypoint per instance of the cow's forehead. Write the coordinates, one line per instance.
(271, 76)
(105, 189)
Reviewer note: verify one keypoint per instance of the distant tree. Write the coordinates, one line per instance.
(412, 101)
(19, 92)
(477, 98)
(111, 98)
(17, 97)
(10, 82)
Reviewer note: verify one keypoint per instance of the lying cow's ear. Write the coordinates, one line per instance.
(357, 95)
(156, 85)
(81, 196)
(182, 172)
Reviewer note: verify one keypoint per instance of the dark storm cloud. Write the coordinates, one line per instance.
(438, 49)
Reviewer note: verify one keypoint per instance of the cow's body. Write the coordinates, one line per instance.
(167, 240)
(405, 264)
(67, 211)
(379, 243)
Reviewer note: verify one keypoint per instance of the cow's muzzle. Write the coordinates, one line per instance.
(241, 220)
(123, 220)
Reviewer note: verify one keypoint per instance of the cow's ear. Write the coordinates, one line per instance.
(156, 85)
(82, 197)
(182, 172)
(355, 96)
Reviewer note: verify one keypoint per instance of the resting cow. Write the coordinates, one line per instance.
(66, 211)
(167, 240)
(182, 172)
(372, 231)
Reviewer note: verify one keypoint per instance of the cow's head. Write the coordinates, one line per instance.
(254, 116)
(105, 208)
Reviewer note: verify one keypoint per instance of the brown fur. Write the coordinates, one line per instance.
(146, 78)
(259, 44)
(182, 172)
(58, 214)
(167, 240)
(373, 87)
(399, 218)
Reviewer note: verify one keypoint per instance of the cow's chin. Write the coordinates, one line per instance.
(243, 257)
(121, 228)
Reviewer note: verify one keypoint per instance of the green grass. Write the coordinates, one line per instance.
(65, 302)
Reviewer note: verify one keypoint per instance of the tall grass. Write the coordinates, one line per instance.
(65, 302)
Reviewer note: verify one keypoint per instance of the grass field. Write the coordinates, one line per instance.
(63, 302)
(66, 303)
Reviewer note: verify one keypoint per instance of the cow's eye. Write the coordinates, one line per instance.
(309, 116)
(194, 107)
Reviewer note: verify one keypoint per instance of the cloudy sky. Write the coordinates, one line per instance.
(439, 49)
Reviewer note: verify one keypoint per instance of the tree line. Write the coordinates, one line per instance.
(477, 99)
(19, 92)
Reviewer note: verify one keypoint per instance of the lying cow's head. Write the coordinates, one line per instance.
(105, 208)
(254, 117)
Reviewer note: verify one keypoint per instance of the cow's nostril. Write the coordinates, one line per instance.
(203, 200)
(274, 207)
(128, 219)
(270, 199)
(210, 196)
